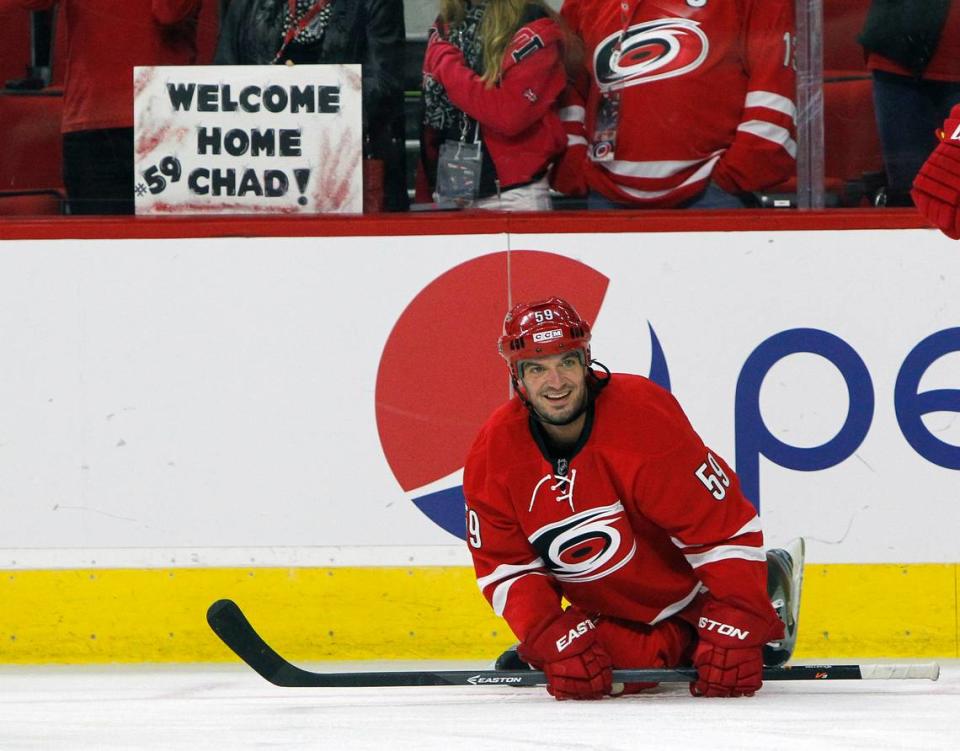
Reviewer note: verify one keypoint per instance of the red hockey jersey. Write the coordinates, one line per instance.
(706, 91)
(632, 525)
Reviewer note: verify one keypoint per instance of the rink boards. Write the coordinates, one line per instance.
(157, 615)
(283, 421)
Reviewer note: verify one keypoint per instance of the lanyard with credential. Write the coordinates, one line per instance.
(604, 142)
(299, 25)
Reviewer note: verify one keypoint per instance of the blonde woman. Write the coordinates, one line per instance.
(493, 73)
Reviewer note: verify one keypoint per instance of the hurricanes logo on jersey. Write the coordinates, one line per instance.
(586, 546)
(650, 52)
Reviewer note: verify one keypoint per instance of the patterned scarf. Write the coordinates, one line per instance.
(313, 31)
(439, 112)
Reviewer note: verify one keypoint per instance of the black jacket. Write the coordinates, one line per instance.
(369, 32)
(906, 31)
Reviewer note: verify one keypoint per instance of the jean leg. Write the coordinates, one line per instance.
(715, 197)
(597, 202)
(906, 122)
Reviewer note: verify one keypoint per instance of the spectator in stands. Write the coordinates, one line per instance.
(913, 51)
(369, 32)
(105, 40)
(683, 103)
(493, 75)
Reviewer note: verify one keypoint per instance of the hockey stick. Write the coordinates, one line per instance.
(231, 625)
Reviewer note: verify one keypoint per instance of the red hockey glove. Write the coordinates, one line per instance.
(566, 649)
(569, 175)
(729, 655)
(936, 188)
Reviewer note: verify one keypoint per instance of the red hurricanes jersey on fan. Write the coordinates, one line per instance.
(706, 90)
(643, 514)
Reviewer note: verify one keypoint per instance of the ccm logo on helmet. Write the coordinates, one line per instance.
(723, 628)
(575, 633)
(546, 336)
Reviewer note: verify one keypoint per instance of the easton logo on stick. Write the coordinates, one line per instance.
(476, 680)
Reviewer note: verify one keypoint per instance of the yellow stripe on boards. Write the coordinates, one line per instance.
(306, 613)
(879, 610)
(154, 615)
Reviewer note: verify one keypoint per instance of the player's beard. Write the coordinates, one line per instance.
(568, 414)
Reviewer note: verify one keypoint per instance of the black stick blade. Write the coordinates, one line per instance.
(231, 625)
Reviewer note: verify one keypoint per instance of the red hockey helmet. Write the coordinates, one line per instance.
(540, 329)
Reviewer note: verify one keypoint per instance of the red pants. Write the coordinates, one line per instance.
(637, 645)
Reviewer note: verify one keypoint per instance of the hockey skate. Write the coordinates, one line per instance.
(784, 585)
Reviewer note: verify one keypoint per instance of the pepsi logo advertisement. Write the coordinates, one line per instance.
(321, 394)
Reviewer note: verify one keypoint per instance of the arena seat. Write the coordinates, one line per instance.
(851, 141)
(31, 203)
(853, 159)
(842, 22)
(31, 148)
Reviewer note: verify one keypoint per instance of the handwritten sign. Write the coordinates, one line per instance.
(248, 139)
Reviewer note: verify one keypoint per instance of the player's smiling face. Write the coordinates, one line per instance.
(556, 386)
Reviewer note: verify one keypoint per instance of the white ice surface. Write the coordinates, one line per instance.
(229, 707)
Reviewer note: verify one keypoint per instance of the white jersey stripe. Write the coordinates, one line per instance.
(499, 598)
(576, 140)
(508, 571)
(573, 114)
(701, 174)
(726, 552)
(652, 170)
(770, 132)
(677, 606)
(772, 101)
(751, 526)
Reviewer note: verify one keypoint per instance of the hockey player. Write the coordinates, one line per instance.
(594, 488)
(683, 103)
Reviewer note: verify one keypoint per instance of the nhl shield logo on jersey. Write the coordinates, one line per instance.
(586, 546)
(648, 52)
